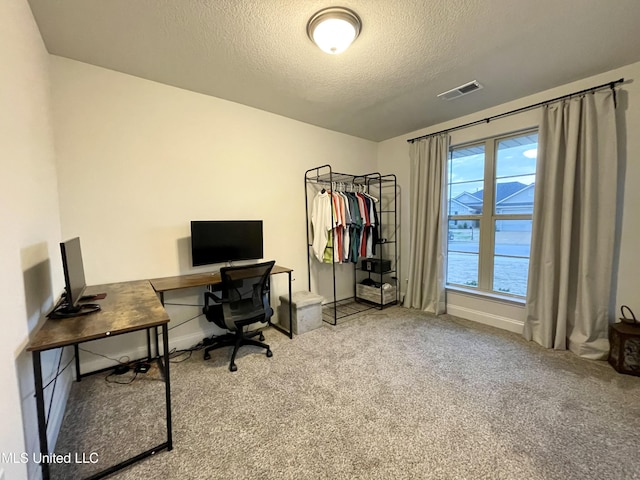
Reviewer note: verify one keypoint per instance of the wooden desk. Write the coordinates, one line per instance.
(128, 307)
(166, 284)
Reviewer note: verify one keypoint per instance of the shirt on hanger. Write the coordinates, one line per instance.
(321, 223)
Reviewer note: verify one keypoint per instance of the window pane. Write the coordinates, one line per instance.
(510, 275)
(465, 198)
(466, 164)
(464, 236)
(463, 247)
(513, 238)
(512, 248)
(462, 269)
(465, 180)
(514, 196)
(515, 174)
(517, 156)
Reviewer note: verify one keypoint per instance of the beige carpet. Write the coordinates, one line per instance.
(394, 394)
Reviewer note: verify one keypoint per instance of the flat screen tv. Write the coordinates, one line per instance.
(73, 273)
(220, 241)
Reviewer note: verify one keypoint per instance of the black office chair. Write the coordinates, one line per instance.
(244, 301)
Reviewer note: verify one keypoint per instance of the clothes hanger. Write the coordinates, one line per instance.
(364, 192)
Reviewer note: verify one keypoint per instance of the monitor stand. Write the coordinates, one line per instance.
(78, 311)
(95, 296)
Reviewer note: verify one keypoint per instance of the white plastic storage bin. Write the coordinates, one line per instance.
(306, 311)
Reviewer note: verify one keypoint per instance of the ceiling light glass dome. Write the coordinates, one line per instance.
(334, 29)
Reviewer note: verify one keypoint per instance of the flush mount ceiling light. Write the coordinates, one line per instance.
(334, 29)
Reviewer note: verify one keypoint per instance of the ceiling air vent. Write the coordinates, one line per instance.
(461, 90)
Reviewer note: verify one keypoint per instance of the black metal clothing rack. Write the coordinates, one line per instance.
(385, 188)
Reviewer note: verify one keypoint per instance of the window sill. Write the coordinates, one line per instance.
(509, 300)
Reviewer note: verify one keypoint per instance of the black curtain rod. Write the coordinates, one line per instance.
(518, 110)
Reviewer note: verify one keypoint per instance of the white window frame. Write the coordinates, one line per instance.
(487, 219)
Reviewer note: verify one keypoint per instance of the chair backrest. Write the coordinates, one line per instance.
(245, 294)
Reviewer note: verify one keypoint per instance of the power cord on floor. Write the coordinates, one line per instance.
(178, 353)
(189, 351)
(113, 374)
(123, 366)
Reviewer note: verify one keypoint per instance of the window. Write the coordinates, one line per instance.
(490, 209)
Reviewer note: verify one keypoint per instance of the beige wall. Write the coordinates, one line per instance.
(31, 274)
(138, 160)
(393, 155)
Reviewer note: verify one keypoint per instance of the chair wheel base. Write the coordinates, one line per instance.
(207, 356)
(233, 367)
(269, 353)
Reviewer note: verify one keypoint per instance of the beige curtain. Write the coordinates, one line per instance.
(426, 287)
(570, 273)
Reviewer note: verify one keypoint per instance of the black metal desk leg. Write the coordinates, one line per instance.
(76, 353)
(167, 384)
(149, 357)
(290, 309)
(155, 329)
(42, 420)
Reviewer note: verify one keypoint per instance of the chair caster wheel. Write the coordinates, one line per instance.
(207, 356)
(261, 337)
(233, 367)
(269, 353)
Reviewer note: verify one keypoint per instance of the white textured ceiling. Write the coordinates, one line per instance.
(257, 52)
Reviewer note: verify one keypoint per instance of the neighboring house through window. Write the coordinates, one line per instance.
(490, 209)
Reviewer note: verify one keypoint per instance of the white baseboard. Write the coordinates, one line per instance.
(490, 319)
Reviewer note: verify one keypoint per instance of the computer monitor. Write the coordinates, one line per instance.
(73, 274)
(220, 241)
